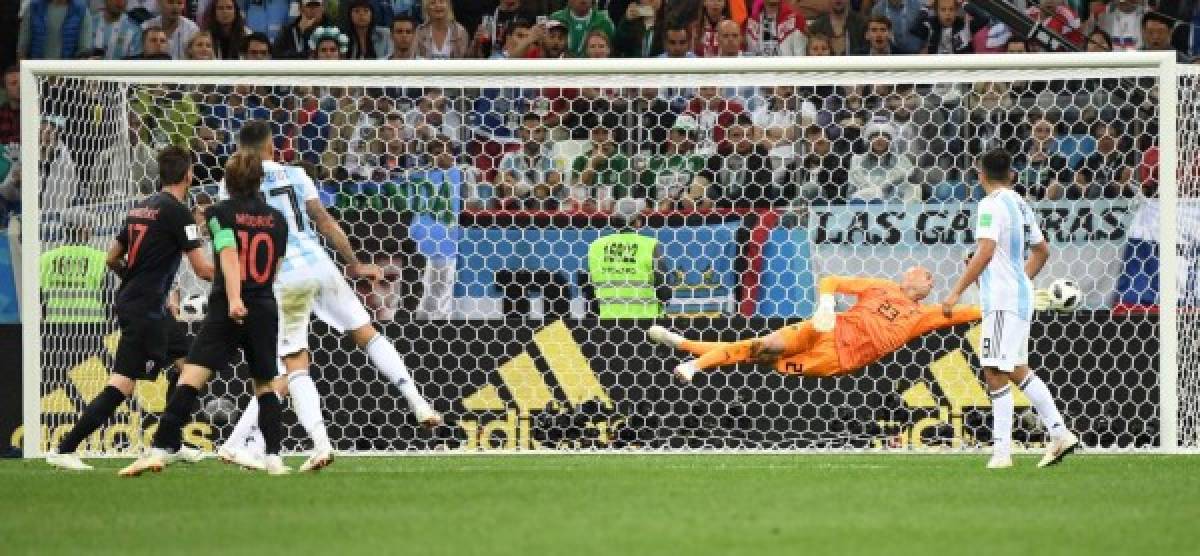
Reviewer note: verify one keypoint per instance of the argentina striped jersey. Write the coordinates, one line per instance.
(1007, 219)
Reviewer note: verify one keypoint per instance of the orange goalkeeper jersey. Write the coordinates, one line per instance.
(883, 319)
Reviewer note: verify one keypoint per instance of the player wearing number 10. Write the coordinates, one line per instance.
(249, 239)
(145, 255)
(309, 282)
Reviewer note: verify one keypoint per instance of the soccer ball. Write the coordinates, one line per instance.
(1065, 295)
(194, 307)
(220, 411)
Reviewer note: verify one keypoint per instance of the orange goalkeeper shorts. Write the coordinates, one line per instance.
(820, 359)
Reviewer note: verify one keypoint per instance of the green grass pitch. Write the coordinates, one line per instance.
(573, 505)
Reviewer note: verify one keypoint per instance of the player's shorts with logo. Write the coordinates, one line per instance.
(148, 345)
(319, 289)
(219, 337)
(808, 351)
(1004, 341)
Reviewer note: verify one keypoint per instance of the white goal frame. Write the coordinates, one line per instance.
(715, 71)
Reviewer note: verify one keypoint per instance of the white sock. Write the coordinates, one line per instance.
(1002, 419)
(385, 358)
(245, 427)
(307, 405)
(1039, 395)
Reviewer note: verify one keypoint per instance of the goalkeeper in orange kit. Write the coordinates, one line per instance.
(885, 316)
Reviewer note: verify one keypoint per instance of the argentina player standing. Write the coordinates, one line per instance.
(1005, 230)
(310, 283)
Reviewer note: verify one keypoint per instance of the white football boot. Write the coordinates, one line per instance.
(685, 372)
(186, 454)
(426, 415)
(240, 458)
(274, 465)
(1000, 461)
(70, 462)
(321, 458)
(155, 460)
(1059, 448)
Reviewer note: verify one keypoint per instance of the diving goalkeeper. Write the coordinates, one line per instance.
(885, 316)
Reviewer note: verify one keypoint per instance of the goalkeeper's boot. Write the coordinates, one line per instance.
(70, 462)
(1000, 461)
(240, 458)
(1059, 448)
(153, 461)
(321, 458)
(685, 372)
(274, 465)
(660, 335)
(186, 454)
(427, 416)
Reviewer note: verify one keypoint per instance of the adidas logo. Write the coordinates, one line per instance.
(555, 373)
(127, 430)
(959, 386)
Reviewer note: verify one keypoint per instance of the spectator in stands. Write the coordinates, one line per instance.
(367, 42)
(328, 43)
(441, 37)
(227, 27)
(404, 38)
(846, 29)
(881, 174)
(1156, 34)
(116, 35)
(155, 45)
(439, 199)
(521, 40)
(1099, 41)
(256, 46)
(553, 42)
(595, 106)
(10, 111)
(905, 16)
(292, 42)
(581, 18)
(1108, 172)
(200, 47)
(132, 163)
(729, 39)
(774, 29)
(677, 42)
(1057, 17)
(741, 172)
(527, 178)
(1041, 171)
(947, 30)
(270, 16)
(492, 31)
(879, 37)
(674, 178)
(601, 173)
(780, 119)
(821, 176)
(714, 115)
(596, 45)
(818, 45)
(704, 26)
(179, 29)
(433, 115)
(640, 33)
(387, 11)
(60, 182)
(55, 30)
(1122, 20)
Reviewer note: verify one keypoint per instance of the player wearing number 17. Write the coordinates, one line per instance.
(1007, 228)
(249, 239)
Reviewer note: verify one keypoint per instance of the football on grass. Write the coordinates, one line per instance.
(1065, 295)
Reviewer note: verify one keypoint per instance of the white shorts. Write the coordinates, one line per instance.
(1004, 342)
(318, 290)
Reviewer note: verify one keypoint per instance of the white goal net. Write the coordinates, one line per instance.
(478, 188)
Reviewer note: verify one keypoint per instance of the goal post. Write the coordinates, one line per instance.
(513, 354)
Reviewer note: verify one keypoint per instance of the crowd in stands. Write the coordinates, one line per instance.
(595, 148)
